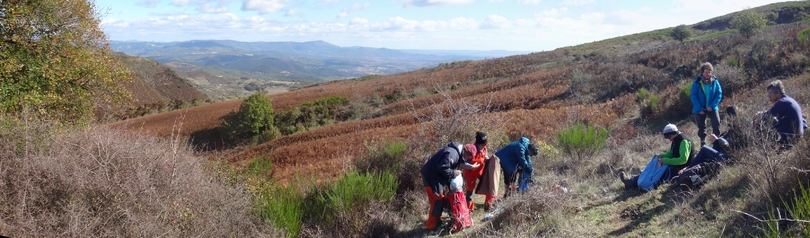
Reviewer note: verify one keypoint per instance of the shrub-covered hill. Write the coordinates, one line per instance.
(630, 85)
(155, 88)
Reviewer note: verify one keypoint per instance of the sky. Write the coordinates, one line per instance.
(514, 25)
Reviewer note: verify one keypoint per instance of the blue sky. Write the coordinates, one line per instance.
(520, 25)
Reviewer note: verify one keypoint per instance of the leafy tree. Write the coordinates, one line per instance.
(55, 60)
(748, 22)
(681, 32)
(255, 115)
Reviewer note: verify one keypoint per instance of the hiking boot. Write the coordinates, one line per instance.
(487, 207)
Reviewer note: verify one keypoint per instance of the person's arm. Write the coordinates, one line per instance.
(685, 150)
(446, 168)
(693, 95)
(666, 154)
(718, 95)
(525, 160)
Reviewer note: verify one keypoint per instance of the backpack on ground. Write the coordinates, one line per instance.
(652, 175)
(695, 176)
(459, 212)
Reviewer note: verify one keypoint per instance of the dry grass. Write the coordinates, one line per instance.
(108, 183)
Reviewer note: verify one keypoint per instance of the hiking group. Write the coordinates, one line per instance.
(682, 165)
(481, 173)
(445, 182)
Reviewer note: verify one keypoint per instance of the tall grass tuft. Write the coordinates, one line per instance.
(582, 141)
(283, 206)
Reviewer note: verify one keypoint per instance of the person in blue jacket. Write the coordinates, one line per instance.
(516, 158)
(706, 96)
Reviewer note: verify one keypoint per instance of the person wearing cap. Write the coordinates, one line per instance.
(679, 155)
(516, 158)
(437, 173)
(787, 114)
(478, 152)
(706, 95)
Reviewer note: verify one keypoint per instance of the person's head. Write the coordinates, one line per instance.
(480, 139)
(706, 70)
(532, 150)
(775, 90)
(670, 131)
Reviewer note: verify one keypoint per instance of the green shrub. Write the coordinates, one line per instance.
(798, 210)
(255, 115)
(350, 192)
(748, 22)
(259, 165)
(642, 94)
(804, 35)
(582, 140)
(381, 156)
(283, 206)
(681, 32)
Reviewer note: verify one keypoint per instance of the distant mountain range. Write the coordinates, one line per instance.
(296, 61)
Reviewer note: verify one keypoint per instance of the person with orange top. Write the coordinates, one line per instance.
(478, 152)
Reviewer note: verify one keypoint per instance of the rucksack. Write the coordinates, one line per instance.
(459, 212)
(652, 175)
(695, 176)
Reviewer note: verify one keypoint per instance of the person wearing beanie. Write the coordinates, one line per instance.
(437, 173)
(515, 158)
(479, 156)
(679, 155)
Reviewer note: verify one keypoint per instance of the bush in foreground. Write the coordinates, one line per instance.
(103, 182)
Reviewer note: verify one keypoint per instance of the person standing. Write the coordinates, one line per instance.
(515, 159)
(706, 95)
(478, 151)
(437, 173)
(787, 112)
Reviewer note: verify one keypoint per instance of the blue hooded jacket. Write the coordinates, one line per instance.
(708, 95)
(439, 170)
(514, 155)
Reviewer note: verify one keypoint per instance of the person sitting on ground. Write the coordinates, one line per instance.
(679, 155)
(706, 95)
(437, 173)
(787, 113)
(717, 152)
(516, 159)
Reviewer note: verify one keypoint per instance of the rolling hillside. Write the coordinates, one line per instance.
(632, 85)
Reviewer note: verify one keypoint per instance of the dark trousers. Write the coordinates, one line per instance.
(700, 120)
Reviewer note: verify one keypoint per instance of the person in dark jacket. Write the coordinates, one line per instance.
(437, 173)
(679, 155)
(706, 96)
(516, 158)
(787, 113)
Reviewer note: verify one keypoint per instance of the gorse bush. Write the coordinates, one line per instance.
(582, 141)
(748, 22)
(381, 156)
(259, 165)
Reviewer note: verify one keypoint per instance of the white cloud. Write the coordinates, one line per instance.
(430, 3)
(179, 3)
(576, 3)
(354, 8)
(531, 2)
(263, 6)
(210, 8)
(461, 23)
(402, 24)
(148, 3)
(291, 12)
(495, 22)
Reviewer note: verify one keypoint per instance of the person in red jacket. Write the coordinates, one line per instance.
(478, 155)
